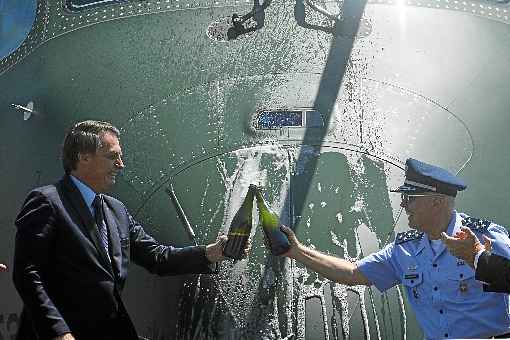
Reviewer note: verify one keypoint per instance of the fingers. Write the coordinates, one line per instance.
(290, 234)
(286, 230)
(221, 240)
(444, 236)
(451, 243)
(248, 245)
(487, 243)
(247, 249)
(447, 239)
(468, 232)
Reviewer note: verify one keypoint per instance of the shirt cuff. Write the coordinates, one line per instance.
(477, 256)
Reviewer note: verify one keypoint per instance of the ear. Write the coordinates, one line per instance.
(83, 157)
(438, 202)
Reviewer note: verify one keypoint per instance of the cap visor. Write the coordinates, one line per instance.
(408, 189)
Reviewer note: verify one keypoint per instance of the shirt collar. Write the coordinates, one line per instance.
(87, 193)
(453, 227)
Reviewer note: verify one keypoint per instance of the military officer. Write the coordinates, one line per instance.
(442, 290)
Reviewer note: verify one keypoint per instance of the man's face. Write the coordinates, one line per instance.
(102, 167)
(419, 209)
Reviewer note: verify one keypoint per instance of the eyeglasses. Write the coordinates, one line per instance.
(408, 198)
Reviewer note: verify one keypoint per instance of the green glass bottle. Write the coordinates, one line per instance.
(275, 239)
(240, 229)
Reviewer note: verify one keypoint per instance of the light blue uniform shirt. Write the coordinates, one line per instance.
(87, 193)
(442, 290)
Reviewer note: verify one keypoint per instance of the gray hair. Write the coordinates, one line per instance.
(450, 202)
(84, 137)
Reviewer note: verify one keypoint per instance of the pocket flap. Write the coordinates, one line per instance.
(461, 273)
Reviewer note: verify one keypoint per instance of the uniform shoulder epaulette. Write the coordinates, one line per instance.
(409, 235)
(475, 224)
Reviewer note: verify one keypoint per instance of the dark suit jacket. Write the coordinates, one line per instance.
(495, 271)
(62, 273)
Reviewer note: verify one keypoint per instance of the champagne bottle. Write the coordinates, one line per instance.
(275, 239)
(240, 228)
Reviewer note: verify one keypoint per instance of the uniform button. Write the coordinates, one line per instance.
(445, 335)
(440, 311)
(412, 281)
(434, 265)
(461, 275)
(435, 288)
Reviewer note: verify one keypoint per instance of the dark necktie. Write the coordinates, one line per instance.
(101, 225)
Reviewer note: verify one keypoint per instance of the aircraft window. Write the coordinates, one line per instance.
(278, 119)
(80, 5)
(16, 22)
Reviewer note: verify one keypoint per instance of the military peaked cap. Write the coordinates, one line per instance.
(426, 178)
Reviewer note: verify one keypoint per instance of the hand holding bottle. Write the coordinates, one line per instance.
(275, 239)
(214, 251)
(294, 242)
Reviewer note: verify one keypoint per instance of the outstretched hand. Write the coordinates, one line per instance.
(465, 245)
(214, 251)
(294, 242)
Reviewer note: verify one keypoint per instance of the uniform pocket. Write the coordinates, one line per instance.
(412, 281)
(462, 283)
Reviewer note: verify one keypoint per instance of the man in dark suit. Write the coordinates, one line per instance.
(74, 245)
(491, 269)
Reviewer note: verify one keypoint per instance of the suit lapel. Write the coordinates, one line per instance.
(88, 224)
(113, 234)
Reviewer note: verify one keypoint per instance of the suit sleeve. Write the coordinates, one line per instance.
(495, 271)
(32, 266)
(165, 259)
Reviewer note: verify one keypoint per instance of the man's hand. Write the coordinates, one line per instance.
(67, 336)
(214, 251)
(3, 267)
(247, 249)
(294, 242)
(487, 243)
(464, 245)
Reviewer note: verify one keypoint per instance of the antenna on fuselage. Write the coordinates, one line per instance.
(28, 109)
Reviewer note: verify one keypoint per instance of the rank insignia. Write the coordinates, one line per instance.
(475, 224)
(408, 236)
